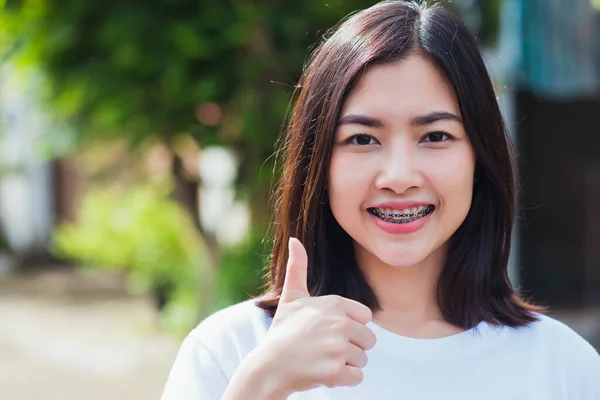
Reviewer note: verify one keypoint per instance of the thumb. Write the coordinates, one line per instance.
(294, 285)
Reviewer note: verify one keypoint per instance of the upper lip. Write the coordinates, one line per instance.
(401, 205)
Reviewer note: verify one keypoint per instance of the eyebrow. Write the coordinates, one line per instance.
(430, 118)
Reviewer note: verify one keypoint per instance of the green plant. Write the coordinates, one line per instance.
(149, 236)
(241, 270)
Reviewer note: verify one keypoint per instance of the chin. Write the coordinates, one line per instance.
(400, 257)
(404, 261)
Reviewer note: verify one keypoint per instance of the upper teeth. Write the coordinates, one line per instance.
(406, 211)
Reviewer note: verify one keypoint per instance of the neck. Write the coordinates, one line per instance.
(407, 295)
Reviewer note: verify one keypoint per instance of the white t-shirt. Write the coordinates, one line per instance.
(545, 361)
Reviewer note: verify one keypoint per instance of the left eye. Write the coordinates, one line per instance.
(435, 137)
(361, 139)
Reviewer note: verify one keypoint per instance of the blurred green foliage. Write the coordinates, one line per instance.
(482, 16)
(135, 69)
(489, 28)
(150, 237)
(242, 269)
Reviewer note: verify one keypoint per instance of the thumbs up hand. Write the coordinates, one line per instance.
(314, 341)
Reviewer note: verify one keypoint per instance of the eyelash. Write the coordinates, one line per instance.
(353, 137)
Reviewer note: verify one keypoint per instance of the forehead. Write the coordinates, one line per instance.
(403, 89)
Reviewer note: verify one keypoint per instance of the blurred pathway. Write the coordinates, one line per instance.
(64, 335)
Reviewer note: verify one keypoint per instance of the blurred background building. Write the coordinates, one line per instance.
(136, 167)
(557, 103)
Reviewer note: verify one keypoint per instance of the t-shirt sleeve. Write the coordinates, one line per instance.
(196, 374)
(591, 372)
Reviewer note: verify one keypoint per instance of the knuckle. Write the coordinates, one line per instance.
(331, 374)
(333, 301)
(342, 325)
(357, 379)
(299, 303)
(336, 348)
(287, 307)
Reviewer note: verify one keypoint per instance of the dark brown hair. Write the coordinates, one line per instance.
(474, 283)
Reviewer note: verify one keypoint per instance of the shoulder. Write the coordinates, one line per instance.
(240, 325)
(557, 334)
(211, 353)
(570, 355)
(241, 318)
(231, 333)
(548, 333)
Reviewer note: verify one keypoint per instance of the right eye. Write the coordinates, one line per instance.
(361, 139)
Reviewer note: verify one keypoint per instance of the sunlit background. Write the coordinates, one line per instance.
(135, 170)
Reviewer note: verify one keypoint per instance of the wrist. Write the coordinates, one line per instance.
(265, 376)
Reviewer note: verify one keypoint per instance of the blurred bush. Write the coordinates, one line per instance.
(144, 233)
(242, 269)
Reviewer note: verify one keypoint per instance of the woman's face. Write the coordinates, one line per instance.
(401, 173)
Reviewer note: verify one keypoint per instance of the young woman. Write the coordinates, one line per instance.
(392, 235)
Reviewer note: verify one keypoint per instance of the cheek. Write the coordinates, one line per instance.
(452, 178)
(346, 184)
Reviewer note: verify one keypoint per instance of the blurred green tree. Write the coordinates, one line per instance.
(219, 71)
(482, 16)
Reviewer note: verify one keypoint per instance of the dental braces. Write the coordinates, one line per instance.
(408, 215)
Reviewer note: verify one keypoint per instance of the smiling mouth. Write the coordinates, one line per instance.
(397, 217)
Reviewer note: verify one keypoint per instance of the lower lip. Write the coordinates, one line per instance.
(401, 229)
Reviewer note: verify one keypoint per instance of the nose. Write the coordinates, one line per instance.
(399, 170)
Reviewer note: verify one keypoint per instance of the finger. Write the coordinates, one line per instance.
(294, 285)
(357, 311)
(350, 376)
(356, 356)
(361, 336)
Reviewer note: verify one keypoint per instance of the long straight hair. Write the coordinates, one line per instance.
(474, 284)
